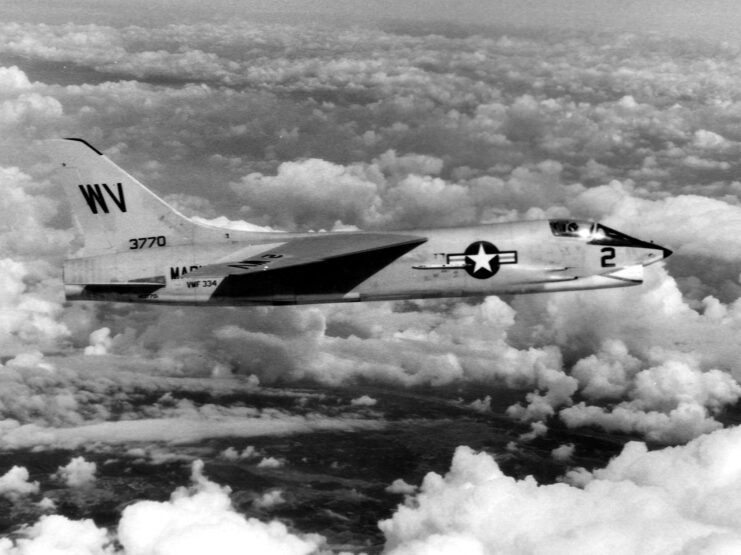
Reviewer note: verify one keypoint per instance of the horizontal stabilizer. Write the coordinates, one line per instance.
(123, 284)
(110, 291)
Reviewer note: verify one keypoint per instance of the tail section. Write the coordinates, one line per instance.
(114, 211)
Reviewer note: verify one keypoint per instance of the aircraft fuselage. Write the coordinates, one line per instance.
(503, 258)
(138, 248)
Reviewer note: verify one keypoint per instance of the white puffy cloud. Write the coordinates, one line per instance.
(77, 473)
(30, 303)
(682, 423)
(47, 504)
(671, 371)
(676, 381)
(662, 501)
(14, 483)
(364, 401)
(200, 519)
(537, 429)
(400, 486)
(563, 452)
(269, 499)
(481, 405)
(58, 534)
(271, 462)
(100, 342)
(303, 191)
(13, 79)
(26, 109)
(195, 519)
(28, 320)
(230, 453)
(709, 140)
(607, 374)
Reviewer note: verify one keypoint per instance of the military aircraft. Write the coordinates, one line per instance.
(137, 248)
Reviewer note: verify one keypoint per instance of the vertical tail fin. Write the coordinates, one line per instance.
(114, 211)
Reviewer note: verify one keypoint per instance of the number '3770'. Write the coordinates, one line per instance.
(147, 242)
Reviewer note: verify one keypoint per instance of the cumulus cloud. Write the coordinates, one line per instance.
(400, 486)
(100, 342)
(271, 462)
(58, 534)
(230, 453)
(269, 499)
(310, 189)
(13, 79)
(686, 421)
(202, 518)
(364, 401)
(47, 504)
(193, 520)
(537, 429)
(563, 452)
(77, 473)
(673, 389)
(14, 483)
(28, 321)
(481, 405)
(655, 502)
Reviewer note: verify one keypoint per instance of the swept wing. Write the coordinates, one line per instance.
(317, 264)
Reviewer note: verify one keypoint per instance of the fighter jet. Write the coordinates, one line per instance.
(138, 248)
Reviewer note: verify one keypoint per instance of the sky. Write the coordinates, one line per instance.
(715, 20)
(387, 117)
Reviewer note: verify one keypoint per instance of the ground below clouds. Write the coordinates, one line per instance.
(329, 482)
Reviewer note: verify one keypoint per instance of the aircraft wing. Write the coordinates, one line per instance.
(313, 264)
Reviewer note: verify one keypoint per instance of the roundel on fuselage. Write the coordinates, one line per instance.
(482, 260)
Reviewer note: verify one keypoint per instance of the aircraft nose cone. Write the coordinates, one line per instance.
(654, 253)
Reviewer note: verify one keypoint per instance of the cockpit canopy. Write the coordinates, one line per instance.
(595, 234)
(572, 228)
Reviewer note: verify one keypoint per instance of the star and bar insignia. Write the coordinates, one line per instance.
(480, 260)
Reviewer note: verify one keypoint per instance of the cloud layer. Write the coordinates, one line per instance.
(682, 499)
(312, 129)
(307, 127)
(386, 130)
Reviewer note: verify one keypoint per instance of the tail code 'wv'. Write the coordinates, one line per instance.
(110, 206)
(95, 199)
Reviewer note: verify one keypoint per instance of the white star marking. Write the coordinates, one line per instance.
(481, 260)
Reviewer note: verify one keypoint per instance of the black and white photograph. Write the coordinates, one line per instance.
(343, 277)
